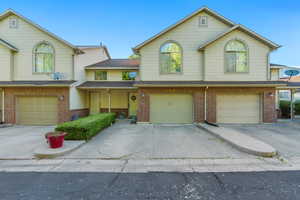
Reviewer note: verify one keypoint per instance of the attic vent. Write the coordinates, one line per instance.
(13, 22)
(203, 21)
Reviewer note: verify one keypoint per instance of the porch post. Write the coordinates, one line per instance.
(109, 101)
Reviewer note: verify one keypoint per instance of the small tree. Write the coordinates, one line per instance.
(134, 56)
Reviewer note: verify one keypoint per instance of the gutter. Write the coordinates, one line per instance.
(211, 85)
(87, 88)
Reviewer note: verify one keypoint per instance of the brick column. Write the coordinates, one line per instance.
(269, 106)
(143, 114)
(211, 106)
(198, 106)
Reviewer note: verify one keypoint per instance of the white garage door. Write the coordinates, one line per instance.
(235, 108)
(171, 108)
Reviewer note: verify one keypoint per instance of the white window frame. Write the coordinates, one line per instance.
(205, 18)
(13, 23)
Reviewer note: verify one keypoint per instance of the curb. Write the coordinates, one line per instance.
(269, 152)
(43, 152)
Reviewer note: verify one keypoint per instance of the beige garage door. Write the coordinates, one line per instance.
(238, 108)
(171, 108)
(37, 110)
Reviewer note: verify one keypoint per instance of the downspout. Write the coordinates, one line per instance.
(3, 120)
(205, 102)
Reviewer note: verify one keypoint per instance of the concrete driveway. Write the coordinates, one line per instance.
(285, 137)
(127, 141)
(19, 142)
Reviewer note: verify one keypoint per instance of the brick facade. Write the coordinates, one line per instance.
(79, 112)
(268, 101)
(64, 114)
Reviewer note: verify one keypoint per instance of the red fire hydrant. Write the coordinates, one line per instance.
(55, 139)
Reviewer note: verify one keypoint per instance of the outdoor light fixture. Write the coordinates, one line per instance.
(61, 98)
(270, 94)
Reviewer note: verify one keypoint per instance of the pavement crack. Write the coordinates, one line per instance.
(114, 180)
(219, 181)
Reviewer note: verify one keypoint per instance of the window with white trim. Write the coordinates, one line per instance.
(43, 55)
(203, 20)
(170, 58)
(13, 23)
(236, 57)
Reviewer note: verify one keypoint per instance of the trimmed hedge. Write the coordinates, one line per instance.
(87, 127)
(285, 108)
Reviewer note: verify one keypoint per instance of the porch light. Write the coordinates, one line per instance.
(270, 94)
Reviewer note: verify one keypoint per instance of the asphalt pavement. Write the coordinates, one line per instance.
(150, 186)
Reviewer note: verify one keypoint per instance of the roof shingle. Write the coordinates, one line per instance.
(117, 63)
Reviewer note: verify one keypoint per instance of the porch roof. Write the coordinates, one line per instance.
(65, 83)
(107, 85)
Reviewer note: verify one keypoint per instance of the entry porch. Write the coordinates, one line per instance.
(123, 102)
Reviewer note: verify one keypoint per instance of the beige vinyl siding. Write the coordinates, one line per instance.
(112, 75)
(77, 98)
(257, 59)
(37, 110)
(238, 108)
(90, 56)
(171, 108)
(94, 102)
(101, 100)
(275, 74)
(1, 105)
(25, 37)
(5, 63)
(118, 100)
(189, 35)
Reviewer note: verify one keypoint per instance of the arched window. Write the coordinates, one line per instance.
(170, 58)
(236, 57)
(43, 55)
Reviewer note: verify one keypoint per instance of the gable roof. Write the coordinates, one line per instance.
(12, 12)
(8, 45)
(245, 30)
(95, 47)
(116, 64)
(206, 9)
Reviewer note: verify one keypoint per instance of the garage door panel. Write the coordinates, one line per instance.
(235, 108)
(37, 110)
(171, 108)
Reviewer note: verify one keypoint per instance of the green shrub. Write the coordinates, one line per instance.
(87, 127)
(297, 107)
(285, 108)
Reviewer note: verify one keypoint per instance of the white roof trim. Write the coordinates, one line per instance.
(243, 28)
(209, 11)
(10, 12)
(8, 45)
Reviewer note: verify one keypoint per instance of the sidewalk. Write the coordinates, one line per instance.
(144, 166)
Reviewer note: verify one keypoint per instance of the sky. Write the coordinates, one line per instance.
(123, 24)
